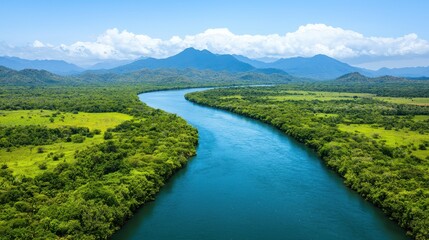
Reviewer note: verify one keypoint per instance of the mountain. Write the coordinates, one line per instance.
(270, 71)
(109, 64)
(356, 77)
(189, 58)
(253, 62)
(317, 67)
(55, 66)
(323, 67)
(414, 72)
(30, 77)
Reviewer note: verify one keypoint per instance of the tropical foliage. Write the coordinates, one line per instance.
(93, 195)
(379, 148)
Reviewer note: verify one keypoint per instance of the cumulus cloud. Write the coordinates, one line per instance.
(307, 40)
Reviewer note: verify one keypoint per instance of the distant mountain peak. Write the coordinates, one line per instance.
(30, 77)
(352, 74)
(55, 66)
(191, 49)
(190, 58)
(356, 77)
(321, 56)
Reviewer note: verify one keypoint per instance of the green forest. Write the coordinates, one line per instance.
(83, 180)
(79, 154)
(379, 147)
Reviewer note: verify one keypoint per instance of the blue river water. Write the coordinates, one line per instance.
(250, 181)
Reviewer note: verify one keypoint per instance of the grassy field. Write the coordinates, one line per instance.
(399, 100)
(421, 118)
(100, 121)
(326, 115)
(26, 160)
(328, 96)
(392, 138)
(321, 96)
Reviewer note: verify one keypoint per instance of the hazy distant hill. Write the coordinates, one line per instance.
(317, 67)
(188, 76)
(189, 58)
(356, 77)
(415, 72)
(30, 77)
(324, 67)
(54, 66)
(108, 64)
(253, 62)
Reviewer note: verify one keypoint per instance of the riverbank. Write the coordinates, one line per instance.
(250, 181)
(356, 158)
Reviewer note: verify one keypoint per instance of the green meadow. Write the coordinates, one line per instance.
(329, 96)
(394, 138)
(27, 160)
(56, 119)
(317, 95)
(405, 100)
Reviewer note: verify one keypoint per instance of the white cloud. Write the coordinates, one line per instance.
(307, 40)
(38, 44)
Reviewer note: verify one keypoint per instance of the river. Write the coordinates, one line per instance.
(250, 181)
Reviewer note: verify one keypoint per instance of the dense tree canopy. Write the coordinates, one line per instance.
(92, 196)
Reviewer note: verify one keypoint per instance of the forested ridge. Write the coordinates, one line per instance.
(378, 147)
(93, 195)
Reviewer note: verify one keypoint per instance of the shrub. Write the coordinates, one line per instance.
(77, 138)
(43, 166)
(108, 135)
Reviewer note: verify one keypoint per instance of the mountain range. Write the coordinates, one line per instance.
(356, 77)
(316, 67)
(188, 77)
(319, 67)
(189, 58)
(29, 77)
(54, 66)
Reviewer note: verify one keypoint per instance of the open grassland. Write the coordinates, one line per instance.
(56, 119)
(421, 118)
(329, 96)
(403, 100)
(394, 138)
(325, 115)
(27, 160)
(316, 95)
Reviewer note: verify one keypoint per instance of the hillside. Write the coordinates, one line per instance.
(356, 77)
(30, 77)
(189, 58)
(54, 66)
(317, 67)
(414, 72)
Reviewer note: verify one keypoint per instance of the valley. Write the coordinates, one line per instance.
(196, 141)
(380, 148)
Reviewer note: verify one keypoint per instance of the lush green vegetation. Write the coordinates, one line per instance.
(151, 78)
(75, 162)
(79, 154)
(386, 86)
(55, 119)
(33, 138)
(380, 148)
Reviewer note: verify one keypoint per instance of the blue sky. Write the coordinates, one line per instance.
(66, 22)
